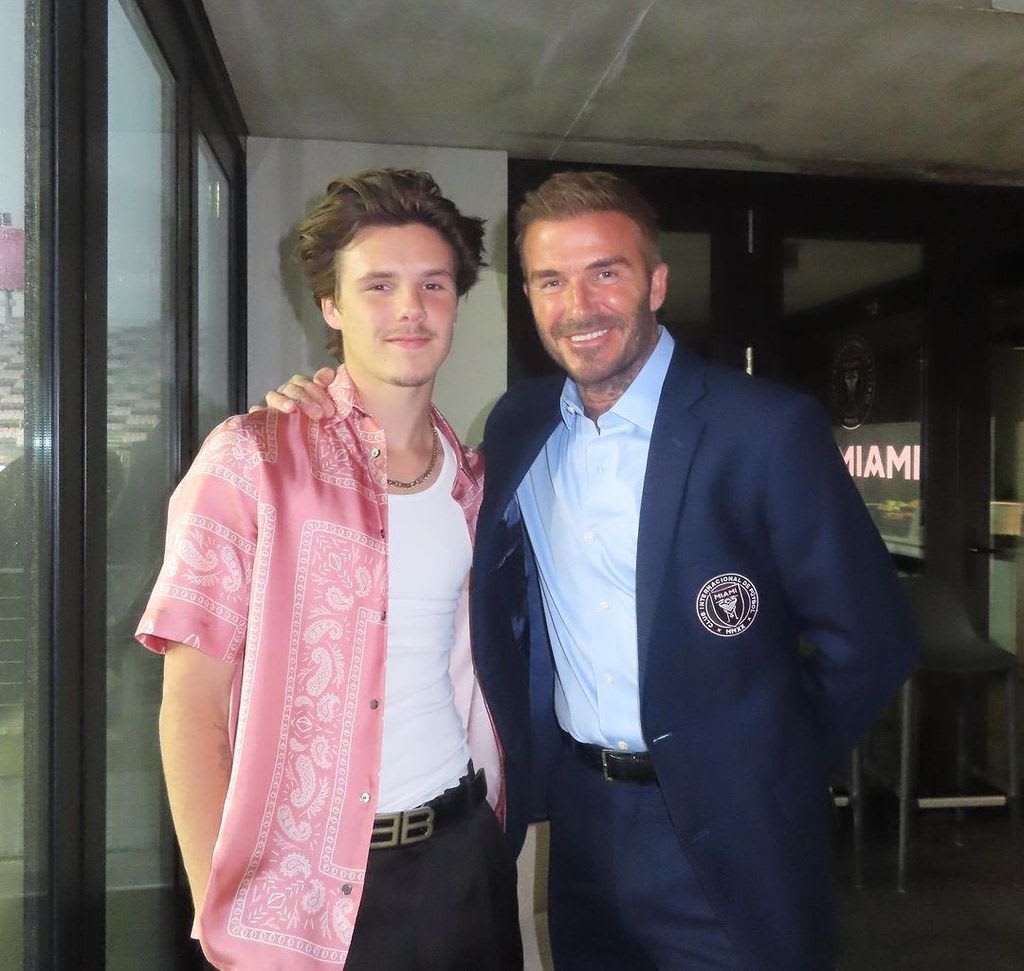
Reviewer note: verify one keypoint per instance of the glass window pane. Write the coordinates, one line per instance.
(854, 313)
(140, 439)
(24, 763)
(214, 219)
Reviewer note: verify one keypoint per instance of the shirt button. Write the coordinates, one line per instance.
(382, 534)
(383, 615)
(365, 797)
(375, 453)
(608, 679)
(623, 747)
(588, 537)
(374, 704)
(603, 605)
(346, 888)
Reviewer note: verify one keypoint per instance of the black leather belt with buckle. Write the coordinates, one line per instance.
(615, 766)
(416, 825)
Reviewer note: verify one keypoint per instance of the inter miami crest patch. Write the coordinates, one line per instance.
(727, 604)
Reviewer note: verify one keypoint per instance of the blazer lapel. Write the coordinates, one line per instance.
(674, 441)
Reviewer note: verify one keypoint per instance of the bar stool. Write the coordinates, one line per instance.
(952, 648)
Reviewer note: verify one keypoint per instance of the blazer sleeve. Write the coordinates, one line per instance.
(839, 580)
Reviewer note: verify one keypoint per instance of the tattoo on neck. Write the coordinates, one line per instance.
(597, 398)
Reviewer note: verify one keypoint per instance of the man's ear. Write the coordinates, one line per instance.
(331, 312)
(659, 285)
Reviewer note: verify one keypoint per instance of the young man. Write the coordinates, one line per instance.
(656, 537)
(328, 816)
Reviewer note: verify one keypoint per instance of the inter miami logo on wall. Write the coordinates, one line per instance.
(853, 383)
(727, 604)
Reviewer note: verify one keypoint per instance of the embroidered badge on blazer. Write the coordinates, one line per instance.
(727, 604)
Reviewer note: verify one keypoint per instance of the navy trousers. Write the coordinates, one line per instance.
(622, 895)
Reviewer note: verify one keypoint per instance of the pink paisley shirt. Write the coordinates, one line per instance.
(277, 561)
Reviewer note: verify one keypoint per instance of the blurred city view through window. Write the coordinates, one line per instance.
(24, 464)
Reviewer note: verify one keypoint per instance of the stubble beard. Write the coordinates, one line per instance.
(600, 391)
(413, 381)
(392, 376)
(419, 377)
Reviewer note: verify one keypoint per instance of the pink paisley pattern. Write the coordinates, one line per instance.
(340, 585)
(235, 450)
(209, 566)
(277, 559)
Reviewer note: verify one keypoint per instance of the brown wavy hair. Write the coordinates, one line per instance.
(382, 197)
(568, 194)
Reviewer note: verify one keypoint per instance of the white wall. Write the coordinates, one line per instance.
(286, 333)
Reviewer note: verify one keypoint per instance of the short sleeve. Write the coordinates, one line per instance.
(201, 597)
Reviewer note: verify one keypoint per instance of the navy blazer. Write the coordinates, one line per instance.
(744, 713)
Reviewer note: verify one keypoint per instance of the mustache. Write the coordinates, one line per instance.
(406, 334)
(586, 324)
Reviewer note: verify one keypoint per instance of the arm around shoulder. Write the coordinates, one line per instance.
(308, 394)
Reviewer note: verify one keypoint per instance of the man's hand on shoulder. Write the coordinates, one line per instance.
(307, 394)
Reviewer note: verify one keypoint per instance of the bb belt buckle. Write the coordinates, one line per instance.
(402, 829)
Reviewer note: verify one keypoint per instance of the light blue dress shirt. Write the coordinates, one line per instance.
(581, 505)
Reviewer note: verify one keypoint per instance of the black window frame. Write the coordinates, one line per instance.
(68, 916)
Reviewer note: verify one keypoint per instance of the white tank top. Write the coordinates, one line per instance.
(424, 749)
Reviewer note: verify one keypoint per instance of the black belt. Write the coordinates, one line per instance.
(614, 765)
(419, 824)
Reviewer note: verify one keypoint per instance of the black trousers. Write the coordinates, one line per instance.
(446, 904)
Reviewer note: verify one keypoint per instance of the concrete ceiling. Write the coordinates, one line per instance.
(930, 89)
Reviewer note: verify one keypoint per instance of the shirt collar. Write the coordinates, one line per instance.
(345, 396)
(639, 402)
